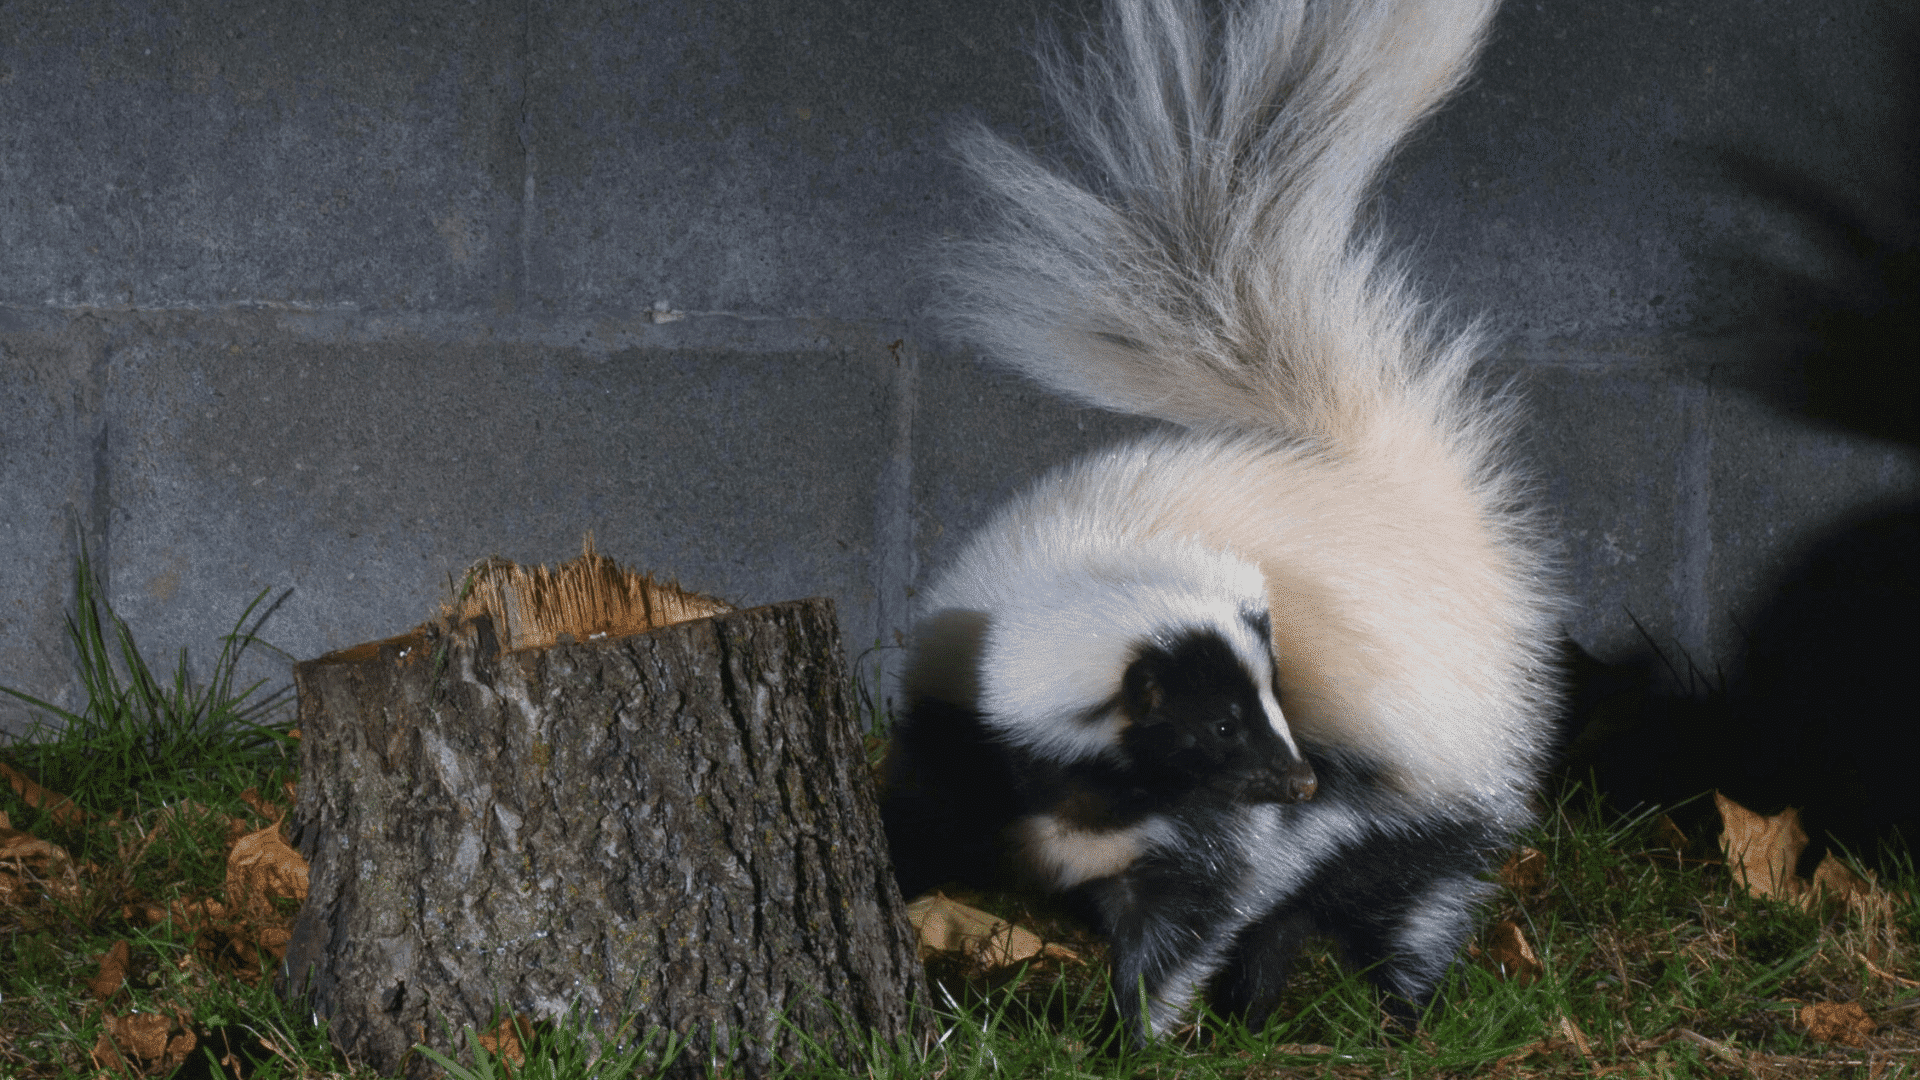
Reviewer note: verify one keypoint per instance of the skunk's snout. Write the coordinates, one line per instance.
(1300, 781)
(1289, 780)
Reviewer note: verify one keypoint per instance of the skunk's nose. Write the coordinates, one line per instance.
(1288, 780)
(1301, 783)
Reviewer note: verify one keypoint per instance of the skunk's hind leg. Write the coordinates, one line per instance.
(1400, 904)
(1249, 988)
(1406, 946)
(1170, 928)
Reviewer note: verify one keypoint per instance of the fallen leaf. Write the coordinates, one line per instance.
(113, 972)
(1524, 869)
(509, 1039)
(1844, 1022)
(1760, 851)
(1837, 881)
(144, 913)
(273, 940)
(946, 925)
(1669, 834)
(1509, 954)
(246, 933)
(1572, 1033)
(261, 869)
(27, 861)
(24, 847)
(181, 1046)
(146, 1038)
(65, 814)
(268, 810)
(189, 915)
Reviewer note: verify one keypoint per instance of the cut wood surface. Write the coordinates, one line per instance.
(675, 828)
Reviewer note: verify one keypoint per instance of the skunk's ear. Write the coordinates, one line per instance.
(1141, 693)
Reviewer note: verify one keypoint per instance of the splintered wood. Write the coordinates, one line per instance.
(590, 598)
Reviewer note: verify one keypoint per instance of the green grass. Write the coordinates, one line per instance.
(158, 767)
(145, 741)
(1654, 964)
(561, 1049)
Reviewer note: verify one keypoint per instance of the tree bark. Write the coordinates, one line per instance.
(676, 828)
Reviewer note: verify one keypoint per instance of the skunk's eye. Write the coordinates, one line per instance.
(1224, 729)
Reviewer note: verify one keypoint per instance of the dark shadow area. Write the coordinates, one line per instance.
(1819, 714)
(1817, 711)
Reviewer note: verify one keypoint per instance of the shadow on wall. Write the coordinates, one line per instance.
(1818, 712)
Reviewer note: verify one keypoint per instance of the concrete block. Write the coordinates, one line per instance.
(324, 156)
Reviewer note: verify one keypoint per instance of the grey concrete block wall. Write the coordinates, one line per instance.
(337, 298)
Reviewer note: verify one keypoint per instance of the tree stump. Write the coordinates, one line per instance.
(675, 829)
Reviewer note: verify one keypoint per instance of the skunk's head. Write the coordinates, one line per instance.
(1202, 715)
(1155, 655)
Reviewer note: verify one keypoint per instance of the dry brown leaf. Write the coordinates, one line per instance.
(5, 821)
(143, 1043)
(1509, 954)
(113, 972)
(1835, 880)
(946, 925)
(144, 913)
(182, 1046)
(24, 847)
(273, 940)
(1669, 833)
(187, 915)
(268, 810)
(245, 934)
(26, 861)
(1761, 851)
(261, 869)
(1524, 869)
(509, 1039)
(1572, 1033)
(65, 814)
(237, 950)
(1844, 1022)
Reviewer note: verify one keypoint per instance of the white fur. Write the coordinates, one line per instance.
(1336, 442)
(1338, 470)
(1068, 599)
(1063, 855)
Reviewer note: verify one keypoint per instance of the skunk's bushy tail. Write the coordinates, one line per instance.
(1208, 271)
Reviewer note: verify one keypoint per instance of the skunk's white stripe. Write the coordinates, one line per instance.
(1066, 602)
(1064, 856)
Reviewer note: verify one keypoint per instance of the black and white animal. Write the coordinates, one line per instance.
(1284, 670)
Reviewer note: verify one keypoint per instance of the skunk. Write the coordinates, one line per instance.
(1287, 669)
